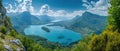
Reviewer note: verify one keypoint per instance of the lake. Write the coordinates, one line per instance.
(56, 34)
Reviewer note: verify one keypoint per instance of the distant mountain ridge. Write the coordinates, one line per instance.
(23, 20)
(45, 19)
(85, 24)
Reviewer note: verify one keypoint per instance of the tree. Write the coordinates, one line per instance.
(3, 29)
(114, 15)
(109, 40)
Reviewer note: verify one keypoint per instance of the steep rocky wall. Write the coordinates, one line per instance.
(4, 20)
(2, 12)
(8, 42)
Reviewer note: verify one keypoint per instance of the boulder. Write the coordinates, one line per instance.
(16, 41)
(8, 48)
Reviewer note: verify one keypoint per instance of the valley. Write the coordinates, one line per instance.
(57, 25)
(82, 25)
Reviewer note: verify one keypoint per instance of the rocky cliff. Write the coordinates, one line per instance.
(8, 42)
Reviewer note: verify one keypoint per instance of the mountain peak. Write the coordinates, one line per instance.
(87, 13)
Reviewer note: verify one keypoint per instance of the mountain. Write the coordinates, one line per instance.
(8, 42)
(22, 20)
(45, 19)
(85, 24)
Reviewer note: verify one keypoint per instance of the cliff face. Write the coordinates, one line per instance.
(2, 14)
(4, 20)
(7, 42)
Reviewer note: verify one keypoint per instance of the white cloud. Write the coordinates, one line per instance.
(100, 7)
(10, 8)
(18, 1)
(101, 3)
(93, 3)
(46, 10)
(26, 5)
(84, 0)
(87, 6)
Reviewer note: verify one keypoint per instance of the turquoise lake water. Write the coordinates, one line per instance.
(57, 34)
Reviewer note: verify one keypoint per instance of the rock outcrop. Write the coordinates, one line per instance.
(18, 43)
(2, 13)
(8, 42)
(4, 20)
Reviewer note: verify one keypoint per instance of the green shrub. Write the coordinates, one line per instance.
(107, 41)
(3, 29)
(2, 48)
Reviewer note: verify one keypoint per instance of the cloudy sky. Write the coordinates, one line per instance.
(57, 8)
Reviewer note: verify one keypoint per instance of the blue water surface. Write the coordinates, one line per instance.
(57, 34)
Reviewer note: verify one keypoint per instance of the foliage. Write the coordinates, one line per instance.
(29, 44)
(114, 14)
(3, 29)
(2, 48)
(82, 46)
(107, 41)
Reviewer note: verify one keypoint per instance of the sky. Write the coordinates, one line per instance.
(57, 8)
